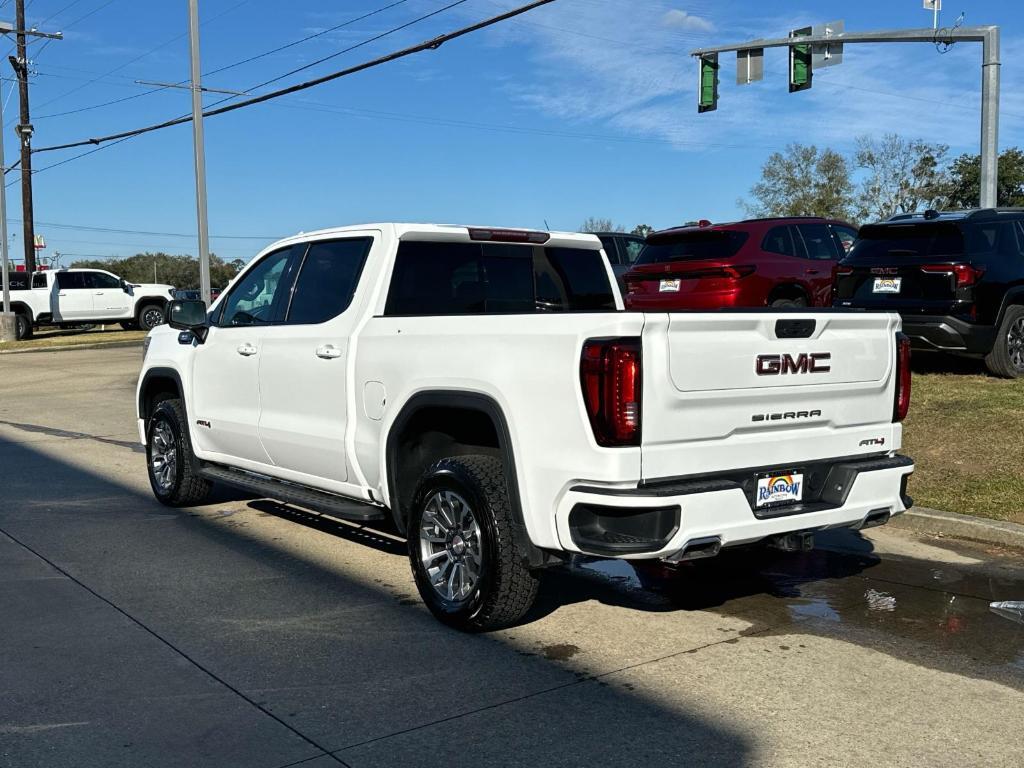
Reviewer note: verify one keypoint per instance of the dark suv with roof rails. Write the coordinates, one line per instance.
(956, 277)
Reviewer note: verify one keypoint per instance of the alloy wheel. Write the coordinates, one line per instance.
(450, 545)
(151, 318)
(163, 456)
(1015, 344)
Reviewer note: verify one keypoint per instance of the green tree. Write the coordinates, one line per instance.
(642, 229)
(179, 271)
(593, 224)
(903, 176)
(803, 182)
(963, 188)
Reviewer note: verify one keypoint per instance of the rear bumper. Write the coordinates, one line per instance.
(659, 521)
(943, 333)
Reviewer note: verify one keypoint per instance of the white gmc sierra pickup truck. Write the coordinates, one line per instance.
(482, 391)
(78, 296)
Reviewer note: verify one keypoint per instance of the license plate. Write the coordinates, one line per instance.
(887, 285)
(668, 286)
(784, 488)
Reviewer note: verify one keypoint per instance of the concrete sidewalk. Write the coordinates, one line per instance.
(245, 633)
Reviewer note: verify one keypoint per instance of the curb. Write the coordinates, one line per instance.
(939, 523)
(68, 347)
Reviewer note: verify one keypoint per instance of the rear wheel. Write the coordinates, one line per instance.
(22, 326)
(150, 316)
(467, 566)
(1007, 356)
(797, 302)
(172, 465)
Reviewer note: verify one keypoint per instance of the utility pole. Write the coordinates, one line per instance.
(200, 151)
(24, 129)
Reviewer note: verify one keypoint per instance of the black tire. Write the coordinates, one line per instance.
(798, 302)
(22, 326)
(505, 588)
(181, 486)
(1007, 356)
(129, 325)
(150, 316)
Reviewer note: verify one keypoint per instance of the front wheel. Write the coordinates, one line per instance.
(172, 465)
(798, 302)
(150, 316)
(1007, 356)
(467, 566)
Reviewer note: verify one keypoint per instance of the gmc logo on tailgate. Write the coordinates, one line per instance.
(777, 365)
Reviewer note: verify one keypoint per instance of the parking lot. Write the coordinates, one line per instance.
(251, 633)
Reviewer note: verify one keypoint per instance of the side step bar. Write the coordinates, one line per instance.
(319, 501)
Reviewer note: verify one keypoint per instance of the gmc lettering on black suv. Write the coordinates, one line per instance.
(957, 278)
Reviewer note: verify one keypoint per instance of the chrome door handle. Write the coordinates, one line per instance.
(328, 352)
(100, 293)
(246, 349)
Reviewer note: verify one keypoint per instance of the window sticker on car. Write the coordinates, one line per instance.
(887, 285)
(667, 286)
(779, 489)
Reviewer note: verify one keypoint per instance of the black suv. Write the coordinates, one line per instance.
(957, 279)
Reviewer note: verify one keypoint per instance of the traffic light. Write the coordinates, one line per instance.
(800, 73)
(707, 89)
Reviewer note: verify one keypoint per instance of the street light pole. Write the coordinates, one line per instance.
(200, 152)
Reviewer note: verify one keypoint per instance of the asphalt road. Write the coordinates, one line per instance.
(246, 633)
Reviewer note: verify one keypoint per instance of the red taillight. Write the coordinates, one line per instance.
(966, 274)
(902, 404)
(508, 236)
(610, 376)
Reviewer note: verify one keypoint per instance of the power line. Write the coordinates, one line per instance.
(427, 45)
(89, 228)
(76, 21)
(228, 66)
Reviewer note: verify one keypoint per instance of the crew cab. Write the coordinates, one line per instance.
(956, 277)
(482, 391)
(79, 296)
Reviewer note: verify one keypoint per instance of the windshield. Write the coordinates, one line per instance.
(695, 244)
(880, 241)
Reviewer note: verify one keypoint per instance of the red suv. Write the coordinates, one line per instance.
(785, 262)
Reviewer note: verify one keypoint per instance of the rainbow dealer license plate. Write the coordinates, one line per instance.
(780, 489)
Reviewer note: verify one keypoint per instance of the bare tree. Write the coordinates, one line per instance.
(904, 175)
(642, 229)
(803, 182)
(594, 224)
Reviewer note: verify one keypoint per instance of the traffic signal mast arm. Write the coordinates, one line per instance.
(988, 36)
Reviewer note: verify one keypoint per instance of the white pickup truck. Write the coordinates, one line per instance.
(483, 391)
(79, 296)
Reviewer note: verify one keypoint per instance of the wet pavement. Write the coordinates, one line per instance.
(250, 633)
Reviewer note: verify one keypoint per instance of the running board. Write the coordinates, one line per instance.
(319, 501)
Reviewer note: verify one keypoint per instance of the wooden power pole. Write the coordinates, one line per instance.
(24, 130)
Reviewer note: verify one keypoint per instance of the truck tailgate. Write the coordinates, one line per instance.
(728, 391)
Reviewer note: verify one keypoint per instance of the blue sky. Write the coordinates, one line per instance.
(582, 108)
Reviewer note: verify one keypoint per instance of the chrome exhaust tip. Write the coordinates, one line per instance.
(697, 549)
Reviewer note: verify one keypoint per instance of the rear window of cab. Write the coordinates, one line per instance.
(439, 278)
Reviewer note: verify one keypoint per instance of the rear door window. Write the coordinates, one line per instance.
(327, 279)
(692, 244)
(495, 278)
(818, 241)
(71, 281)
(779, 240)
(39, 280)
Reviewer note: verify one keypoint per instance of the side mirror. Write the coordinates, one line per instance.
(124, 285)
(188, 316)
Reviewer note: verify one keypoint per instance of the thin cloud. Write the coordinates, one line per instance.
(678, 19)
